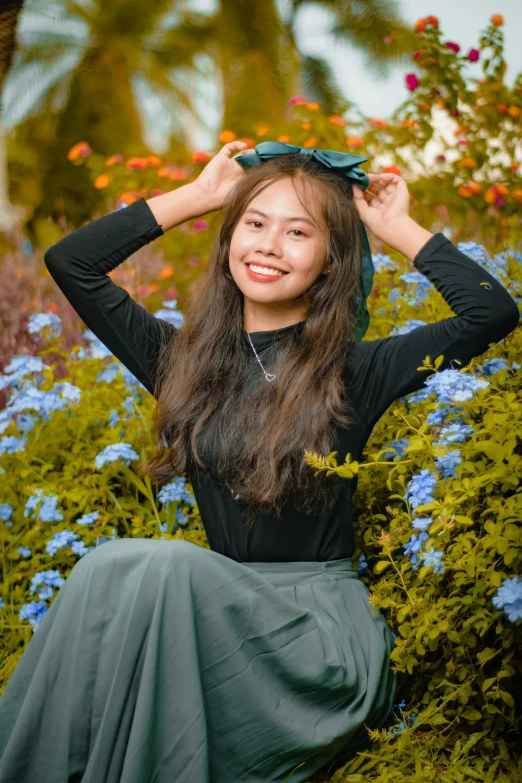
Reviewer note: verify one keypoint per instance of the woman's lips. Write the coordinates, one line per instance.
(263, 278)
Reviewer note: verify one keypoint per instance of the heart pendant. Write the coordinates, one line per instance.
(269, 376)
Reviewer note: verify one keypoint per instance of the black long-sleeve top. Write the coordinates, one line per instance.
(377, 371)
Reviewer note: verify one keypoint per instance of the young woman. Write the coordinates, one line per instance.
(258, 659)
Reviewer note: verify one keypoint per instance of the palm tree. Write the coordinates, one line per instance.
(90, 67)
(9, 13)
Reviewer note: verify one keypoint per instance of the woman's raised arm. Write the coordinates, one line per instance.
(383, 370)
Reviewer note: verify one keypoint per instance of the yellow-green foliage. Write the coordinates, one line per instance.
(458, 656)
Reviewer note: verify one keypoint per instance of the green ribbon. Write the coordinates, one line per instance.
(347, 165)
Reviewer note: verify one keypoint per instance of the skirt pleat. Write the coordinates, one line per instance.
(164, 662)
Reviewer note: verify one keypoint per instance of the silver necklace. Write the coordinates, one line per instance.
(268, 375)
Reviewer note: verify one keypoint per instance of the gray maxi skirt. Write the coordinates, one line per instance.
(160, 661)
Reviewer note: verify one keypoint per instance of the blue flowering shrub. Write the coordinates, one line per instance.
(438, 520)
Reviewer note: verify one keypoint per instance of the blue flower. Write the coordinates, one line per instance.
(448, 462)
(34, 611)
(2, 603)
(88, 519)
(5, 511)
(362, 564)
(420, 488)
(170, 314)
(422, 523)
(509, 598)
(109, 373)
(455, 433)
(175, 491)
(454, 386)
(9, 444)
(60, 540)
(40, 321)
(43, 506)
(394, 294)
(24, 551)
(493, 366)
(48, 579)
(26, 422)
(114, 452)
(413, 547)
(433, 557)
(395, 448)
(113, 418)
(382, 262)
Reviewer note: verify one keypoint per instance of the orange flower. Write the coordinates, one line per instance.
(517, 194)
(136, 164)
(391, 170)
(354, 141)
(262, 131)
(459, 130)
(464, 191)
(313, 106)
(153, 160)
(102, 182)
(310, 142)
(306, 125)
(497, 20)
(336, 120)
(157, 192)
(502, 189)
(501, 108)
(514, 165)
(420, 26)
(166, 272)
(474, 188)
(379, 123)
(52, 308)
(433, 20)
(514, 111)
(283, 139)
(468, 163)
(490, 196)
(199, 156)
(80, 150)
(423, 106)
(407, 123)
(129, 198)
(114, 159)
(227, 135)
(250, 142)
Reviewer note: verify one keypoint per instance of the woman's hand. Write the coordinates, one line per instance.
(384, 205)
(220, 175)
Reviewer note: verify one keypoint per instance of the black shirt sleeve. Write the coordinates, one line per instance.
(385, 369)
(79, 264)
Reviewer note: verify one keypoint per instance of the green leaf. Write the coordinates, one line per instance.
(508, 698)
(381, 565)
(472, 715)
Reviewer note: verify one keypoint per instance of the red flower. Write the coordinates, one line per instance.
(411, 81)
(473, 55)
(297, 99)
(452, 45)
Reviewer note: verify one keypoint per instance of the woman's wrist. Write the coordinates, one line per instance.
(179, 205)
(407, 237)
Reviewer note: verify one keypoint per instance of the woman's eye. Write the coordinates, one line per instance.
(252, 222)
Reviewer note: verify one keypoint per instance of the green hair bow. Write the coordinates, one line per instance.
(347, 165)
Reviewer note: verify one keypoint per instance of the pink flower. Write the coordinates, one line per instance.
(296, 99)
(440, 158)
(200, 225)
(452, 45)
(411, 81)
(500, 202)
(473, 55)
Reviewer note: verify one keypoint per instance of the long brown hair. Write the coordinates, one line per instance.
(253, 434)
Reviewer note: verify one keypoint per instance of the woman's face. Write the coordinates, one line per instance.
(276, 231)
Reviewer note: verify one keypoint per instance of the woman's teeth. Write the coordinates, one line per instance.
(264, 270)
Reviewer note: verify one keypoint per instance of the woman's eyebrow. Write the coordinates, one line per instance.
(288, 220)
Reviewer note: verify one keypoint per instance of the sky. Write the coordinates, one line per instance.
(459, 20)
